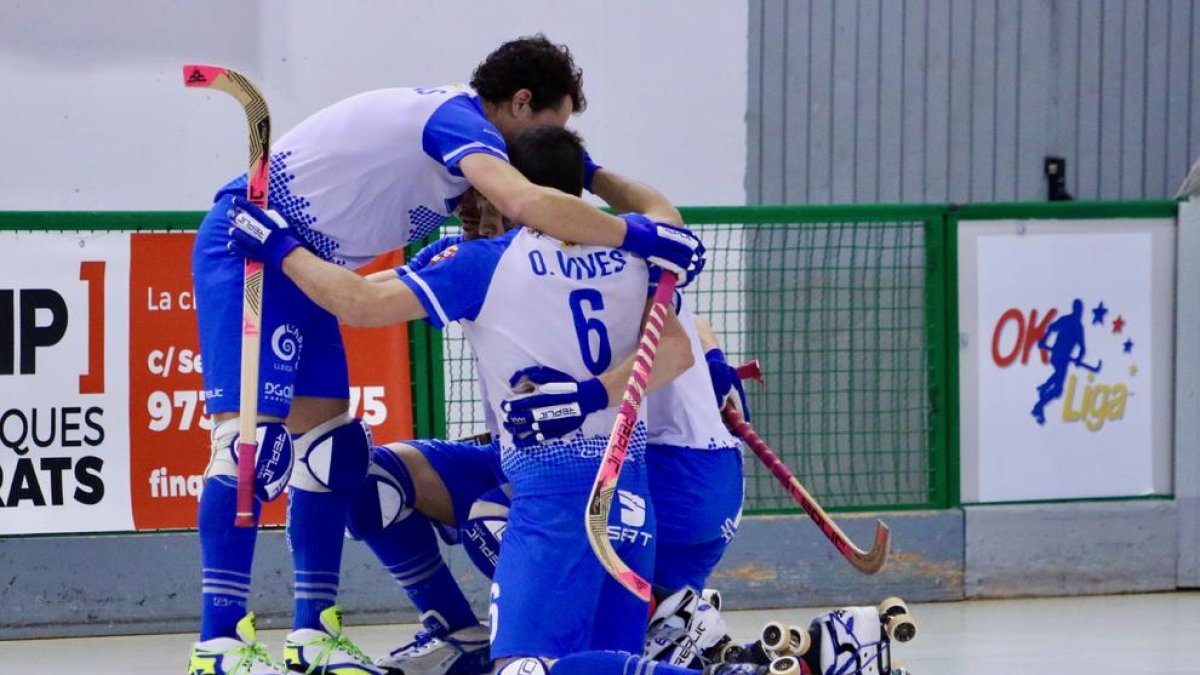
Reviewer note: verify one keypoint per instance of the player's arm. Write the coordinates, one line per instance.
(625, 194)
(569, 218)
(354, 300)
(673, 358)
(727, 384)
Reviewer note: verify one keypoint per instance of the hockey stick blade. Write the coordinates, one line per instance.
(258, 121)
(600, 499)
(867, 562)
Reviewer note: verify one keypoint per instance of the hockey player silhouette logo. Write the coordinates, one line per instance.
(1065, 342)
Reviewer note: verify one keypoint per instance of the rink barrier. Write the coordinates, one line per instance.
(943, 550)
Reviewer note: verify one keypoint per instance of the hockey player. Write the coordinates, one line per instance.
(551, 599)
(357, 179)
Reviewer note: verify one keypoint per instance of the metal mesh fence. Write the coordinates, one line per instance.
(836, 313)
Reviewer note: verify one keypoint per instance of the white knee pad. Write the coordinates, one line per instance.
(273, 459)
(484, 530)
(528, 665)
(332, 456)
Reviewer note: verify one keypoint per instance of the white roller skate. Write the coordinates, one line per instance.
(326, 652)
(243, 655)
(684, 629)
(435, 651)
(858, 640)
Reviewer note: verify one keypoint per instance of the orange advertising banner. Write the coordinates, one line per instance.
(168, 435)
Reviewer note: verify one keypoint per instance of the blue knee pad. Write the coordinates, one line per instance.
(332, 457)
(484, 528)
(273, 458)
(385, 497)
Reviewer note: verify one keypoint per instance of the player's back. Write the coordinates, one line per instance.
(377, 170)
(684, 413)
(576, 309)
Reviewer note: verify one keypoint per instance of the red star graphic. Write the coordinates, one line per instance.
(1118, 324)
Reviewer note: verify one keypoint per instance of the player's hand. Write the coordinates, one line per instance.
(260, 235)
(548, 404)
(726, 383)
(671, 248)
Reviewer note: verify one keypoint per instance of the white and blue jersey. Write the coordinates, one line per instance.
(379, 170)
(695, 471)
(525, 299)
(360, 178)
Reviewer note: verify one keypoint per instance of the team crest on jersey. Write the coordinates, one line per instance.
(448, 253)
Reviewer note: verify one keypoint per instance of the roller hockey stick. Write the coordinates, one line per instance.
(867, 562)
(259, 119)
(600, 499)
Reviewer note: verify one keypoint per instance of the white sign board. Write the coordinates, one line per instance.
(1065, 384)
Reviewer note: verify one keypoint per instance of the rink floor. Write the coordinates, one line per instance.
(1131, 634)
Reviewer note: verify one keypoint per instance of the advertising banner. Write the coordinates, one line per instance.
(102, 419)
(1066, 343)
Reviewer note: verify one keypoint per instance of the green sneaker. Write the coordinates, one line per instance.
(326, 652)
(243, 655)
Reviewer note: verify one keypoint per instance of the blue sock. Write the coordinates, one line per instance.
(226, 555)
(408, 549)
(613, 663)
(316, 524)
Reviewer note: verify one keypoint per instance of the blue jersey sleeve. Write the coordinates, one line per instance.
(455, 286)
(459, 128)
(426, 255)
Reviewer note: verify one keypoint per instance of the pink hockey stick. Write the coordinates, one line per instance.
(259, 119)
(867, 562)
(600, 499)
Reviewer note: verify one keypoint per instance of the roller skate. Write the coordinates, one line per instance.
(327, 651)
(686, 628)
(243, 655)
(436, 651)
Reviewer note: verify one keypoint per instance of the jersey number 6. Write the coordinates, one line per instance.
(585, 326)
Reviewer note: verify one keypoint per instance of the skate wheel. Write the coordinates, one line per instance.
(799, 640)
(787, 665)
(892, 606)
(774, 637)
(900, 627)
(732, 653)
(712, 596)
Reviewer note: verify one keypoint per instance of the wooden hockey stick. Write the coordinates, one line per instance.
(600, 499)
(867, 562)
(259, 119)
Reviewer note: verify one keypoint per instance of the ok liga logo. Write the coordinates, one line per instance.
(1084, 355)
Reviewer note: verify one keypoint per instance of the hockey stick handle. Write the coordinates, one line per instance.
(867, 562)
(600, 499)
(258, 120)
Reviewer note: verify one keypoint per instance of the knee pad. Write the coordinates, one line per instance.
(273, 458)
(333, 456)
(484, 529)
(684, 627)
(385, 497)
(528, 665)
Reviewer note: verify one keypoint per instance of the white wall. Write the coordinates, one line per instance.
(94, 114)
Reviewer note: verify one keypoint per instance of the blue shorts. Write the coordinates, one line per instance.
(467, 470)
(550, 595)
(697, 497)
(302, 353)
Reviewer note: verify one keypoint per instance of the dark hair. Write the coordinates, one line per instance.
(550, 156)
(534, 63)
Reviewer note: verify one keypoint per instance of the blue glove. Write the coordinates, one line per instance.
(590, 168)
(549, 404)
(726, 382)
(260, 235)
(671, 248)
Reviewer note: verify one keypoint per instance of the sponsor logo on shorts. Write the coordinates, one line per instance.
(286, 342)
(278, 392)
(633, 519)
